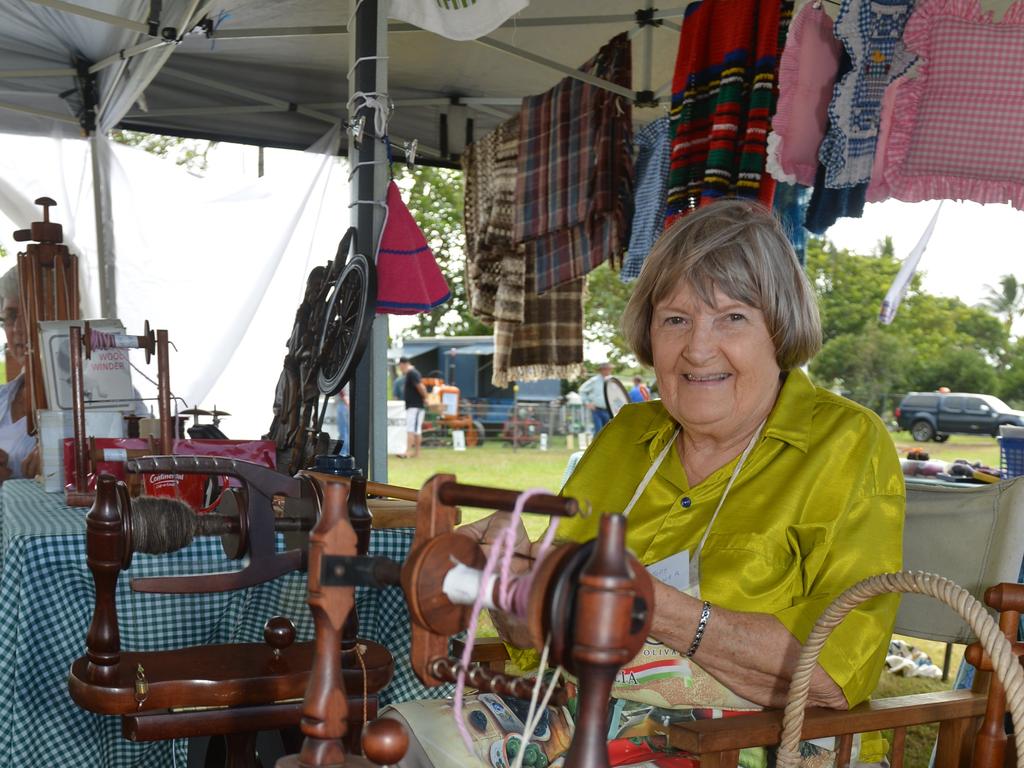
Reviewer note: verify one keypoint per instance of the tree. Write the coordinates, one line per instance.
(1006, 301)
(604, 305)
(191, 153)
(850, 287)
(435, 201)
(934, 340)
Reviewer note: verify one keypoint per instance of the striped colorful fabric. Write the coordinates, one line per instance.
(574, 186)
(723, 97)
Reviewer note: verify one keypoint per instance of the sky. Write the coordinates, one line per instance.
(972, 246)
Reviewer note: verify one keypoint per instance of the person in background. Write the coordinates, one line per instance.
(19, 453)
(639, 393)
(398, 385)
(415, 394)
(592, 394)
(343, 419)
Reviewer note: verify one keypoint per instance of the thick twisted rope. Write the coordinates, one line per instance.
(1007, 667)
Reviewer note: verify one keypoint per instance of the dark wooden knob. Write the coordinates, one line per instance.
(385, 741)
(279, 633)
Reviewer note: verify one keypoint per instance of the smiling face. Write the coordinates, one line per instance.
(715, 365)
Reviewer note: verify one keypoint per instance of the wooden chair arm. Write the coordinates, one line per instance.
(762, 729)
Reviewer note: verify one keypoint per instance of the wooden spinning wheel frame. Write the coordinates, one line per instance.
(330, 333)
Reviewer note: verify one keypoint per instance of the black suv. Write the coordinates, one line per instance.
(935, 415)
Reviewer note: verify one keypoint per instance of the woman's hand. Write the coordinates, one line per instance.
(752, 654)
(486, 532)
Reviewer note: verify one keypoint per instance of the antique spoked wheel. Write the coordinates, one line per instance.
(348, 316)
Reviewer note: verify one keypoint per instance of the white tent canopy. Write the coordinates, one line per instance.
(273, 72)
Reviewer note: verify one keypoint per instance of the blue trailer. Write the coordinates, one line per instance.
(467, 362)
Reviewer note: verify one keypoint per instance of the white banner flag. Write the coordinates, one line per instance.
(898, 289)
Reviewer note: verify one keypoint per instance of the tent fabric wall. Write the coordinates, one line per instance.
(221, 266)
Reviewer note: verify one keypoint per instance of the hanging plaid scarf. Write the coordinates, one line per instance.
(535, 337)
(494, 264)
(723, 97)
(548, 344)
(574, 186)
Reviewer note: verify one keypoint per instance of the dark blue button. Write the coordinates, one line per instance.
(685, 502)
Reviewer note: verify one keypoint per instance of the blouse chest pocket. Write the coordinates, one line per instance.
(750, 571)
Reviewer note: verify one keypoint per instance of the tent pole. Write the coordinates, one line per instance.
(105, 257)
(368, 74)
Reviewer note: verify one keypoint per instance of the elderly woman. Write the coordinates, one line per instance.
(781, 493)
(756, 495)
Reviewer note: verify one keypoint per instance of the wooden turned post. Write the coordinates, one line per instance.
(325, 710)
(78, 409)
(604, 611)
(991, 741)
(104, 547)
(361, 520)
(163, 378)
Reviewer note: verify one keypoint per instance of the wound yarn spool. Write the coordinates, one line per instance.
(161, 524)
(104, 340)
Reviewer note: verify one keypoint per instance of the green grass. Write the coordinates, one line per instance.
(496, 464)
(920, 739)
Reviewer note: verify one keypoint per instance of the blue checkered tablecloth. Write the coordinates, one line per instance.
(46, 603)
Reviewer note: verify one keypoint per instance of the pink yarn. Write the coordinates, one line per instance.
(807, 73)
(513, 593)
(101, 340)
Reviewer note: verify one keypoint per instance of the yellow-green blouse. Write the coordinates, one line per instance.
(817, 507)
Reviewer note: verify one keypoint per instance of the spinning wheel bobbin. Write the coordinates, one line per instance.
(147, 341)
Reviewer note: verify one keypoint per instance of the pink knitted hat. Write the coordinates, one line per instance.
(408, 278)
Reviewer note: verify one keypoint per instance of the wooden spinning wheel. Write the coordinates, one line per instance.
(329, 334)
(347, 321)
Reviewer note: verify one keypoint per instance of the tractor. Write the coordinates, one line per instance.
(444, 416)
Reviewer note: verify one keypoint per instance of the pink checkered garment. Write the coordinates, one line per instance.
(956, 130)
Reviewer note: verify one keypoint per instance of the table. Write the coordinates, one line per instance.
(46, 603)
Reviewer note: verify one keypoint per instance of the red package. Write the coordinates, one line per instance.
(113, 449)
(191, 488)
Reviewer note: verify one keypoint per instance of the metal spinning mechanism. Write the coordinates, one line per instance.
(594, 601)
(329, 335)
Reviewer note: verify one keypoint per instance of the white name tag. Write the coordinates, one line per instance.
(674, 570)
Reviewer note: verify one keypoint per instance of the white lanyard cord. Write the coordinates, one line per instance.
(650, 474)
(728, 486)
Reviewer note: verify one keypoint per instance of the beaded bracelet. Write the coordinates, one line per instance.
(705, 614)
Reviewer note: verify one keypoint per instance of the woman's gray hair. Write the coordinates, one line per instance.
(10, 286)
(739, 248)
